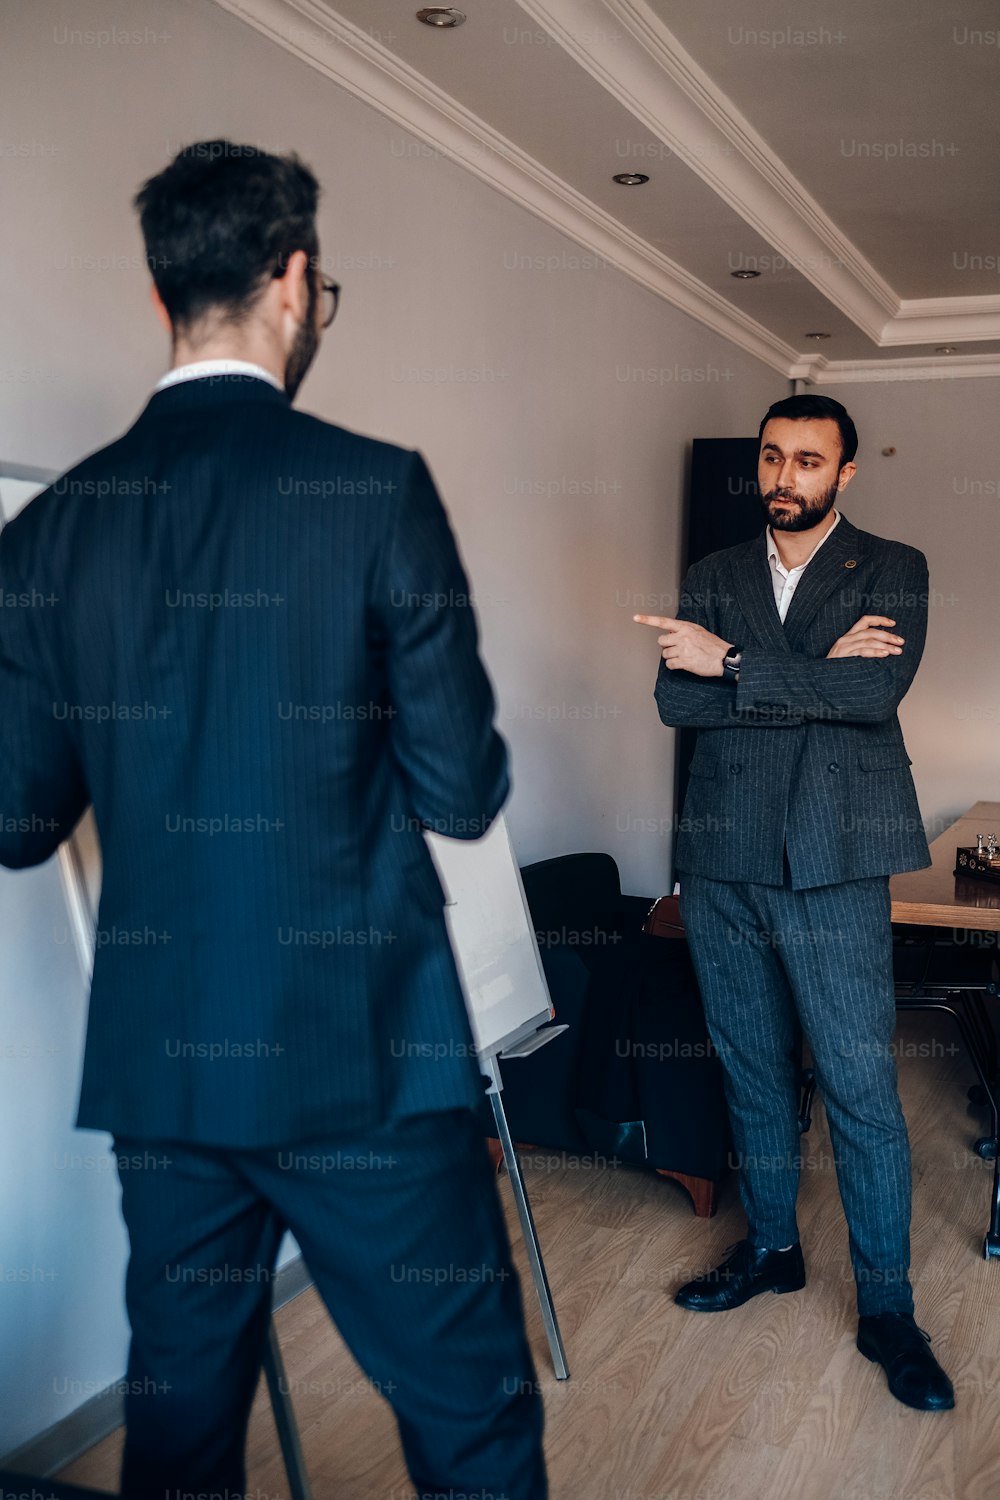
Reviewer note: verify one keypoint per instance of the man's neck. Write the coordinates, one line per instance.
(253, 351)
(794, 547)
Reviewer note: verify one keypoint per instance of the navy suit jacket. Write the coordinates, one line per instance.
(802, 750)
(246, 636)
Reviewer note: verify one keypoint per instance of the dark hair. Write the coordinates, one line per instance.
(799, 408)
(219, 221)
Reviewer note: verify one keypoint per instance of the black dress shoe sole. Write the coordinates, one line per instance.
(945, 1403)
(731, 1306)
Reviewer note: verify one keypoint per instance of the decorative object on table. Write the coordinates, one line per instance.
(981, 862)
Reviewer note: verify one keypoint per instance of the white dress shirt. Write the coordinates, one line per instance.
(786, 581)
(199, 369)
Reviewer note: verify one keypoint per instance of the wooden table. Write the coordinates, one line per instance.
(935, 897)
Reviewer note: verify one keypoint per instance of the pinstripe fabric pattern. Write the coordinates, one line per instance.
(403, 1233)
(800, 804)
(260, 663)
(761, 954)
(803, 751)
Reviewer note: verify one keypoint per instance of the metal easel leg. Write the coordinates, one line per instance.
(284, 1418)
(991, 1244)
(535, 1261)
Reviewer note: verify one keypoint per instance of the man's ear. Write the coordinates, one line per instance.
(160, 310)
(845, 476)
(294, 285)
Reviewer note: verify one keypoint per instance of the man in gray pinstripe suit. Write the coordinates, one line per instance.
(790, 655)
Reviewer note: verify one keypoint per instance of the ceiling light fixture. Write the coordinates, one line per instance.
(946, 349)
(817, 335)
(444, 16)
(745, 275)
(630, 179)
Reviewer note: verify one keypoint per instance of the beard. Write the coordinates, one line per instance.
(805, 514)
(303, 349)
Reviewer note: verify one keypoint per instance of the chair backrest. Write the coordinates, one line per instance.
(571, 895)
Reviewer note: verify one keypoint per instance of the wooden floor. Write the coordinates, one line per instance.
(766, 1402)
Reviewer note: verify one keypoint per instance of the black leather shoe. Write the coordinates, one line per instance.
(894, 1341)
(747, 1271)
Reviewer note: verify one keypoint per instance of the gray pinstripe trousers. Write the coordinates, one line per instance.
(761, 954)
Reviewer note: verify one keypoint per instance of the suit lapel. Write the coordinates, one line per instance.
(831, 568)
(754, 590)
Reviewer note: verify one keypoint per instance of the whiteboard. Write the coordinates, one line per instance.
(492, 937)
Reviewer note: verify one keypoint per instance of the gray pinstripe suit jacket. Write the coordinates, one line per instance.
(802, 749)
(273, 963)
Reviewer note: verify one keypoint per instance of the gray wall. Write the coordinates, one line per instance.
(561, 466)
(63, 1247)
(62, 1244)
(940, 492)
(62, 1325)
(523, 387)
(555, 407)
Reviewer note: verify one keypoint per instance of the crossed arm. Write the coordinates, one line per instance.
(861, 681)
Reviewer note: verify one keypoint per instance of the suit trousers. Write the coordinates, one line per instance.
(403, 1233)
(763, 954)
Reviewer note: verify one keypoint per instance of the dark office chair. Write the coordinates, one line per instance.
(635, 1079)
(933, 972)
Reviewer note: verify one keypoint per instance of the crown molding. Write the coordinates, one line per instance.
(817, 370)
(644, 67)
(371, 72)
(647, 70)
(357, 62)
(943, 320)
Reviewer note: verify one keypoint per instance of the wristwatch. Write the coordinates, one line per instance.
(731, 663)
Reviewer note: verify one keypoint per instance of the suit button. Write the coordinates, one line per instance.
(735, 768)
(834, 766)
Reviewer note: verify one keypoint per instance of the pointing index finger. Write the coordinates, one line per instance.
(660, 621)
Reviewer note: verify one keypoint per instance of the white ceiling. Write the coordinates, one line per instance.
(853, 161)
(885, 73)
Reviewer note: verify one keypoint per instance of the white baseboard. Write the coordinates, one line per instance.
(72, 1435)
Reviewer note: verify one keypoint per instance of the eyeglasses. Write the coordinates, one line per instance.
(328, 290)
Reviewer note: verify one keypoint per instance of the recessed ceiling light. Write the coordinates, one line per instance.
(745, 275)
(630, 179)
(946, 349)
(817, 335)
(441, 15)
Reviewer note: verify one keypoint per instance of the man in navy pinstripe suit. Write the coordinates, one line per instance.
(790, 655)
(284, 604)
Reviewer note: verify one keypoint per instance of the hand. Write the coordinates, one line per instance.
(866, 638)
(688, 647)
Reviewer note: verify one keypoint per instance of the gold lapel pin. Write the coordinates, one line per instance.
(851, 562)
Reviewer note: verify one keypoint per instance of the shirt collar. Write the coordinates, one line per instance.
(773, 555)
(200, 369)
